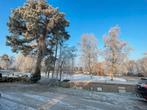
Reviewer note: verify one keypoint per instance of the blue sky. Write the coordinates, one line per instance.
(95, 17)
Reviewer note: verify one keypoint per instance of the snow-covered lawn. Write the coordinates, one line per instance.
(74, 77)
(82, 77)
(89, 78)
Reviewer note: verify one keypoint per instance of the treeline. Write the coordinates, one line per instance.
(38, 31)
(113, 58)
(64, 62)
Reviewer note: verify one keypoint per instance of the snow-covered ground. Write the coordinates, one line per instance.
(75, 77)
(82, 77)
(11, 73)
(85, 77)
(41, 97)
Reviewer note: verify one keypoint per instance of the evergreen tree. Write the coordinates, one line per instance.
(34, 29)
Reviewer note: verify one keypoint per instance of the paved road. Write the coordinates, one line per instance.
(41, 97)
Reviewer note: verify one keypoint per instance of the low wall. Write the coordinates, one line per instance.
(101, 86)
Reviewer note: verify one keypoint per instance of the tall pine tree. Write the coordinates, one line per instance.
(34, 29)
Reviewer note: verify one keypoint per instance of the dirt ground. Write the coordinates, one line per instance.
(16, 96)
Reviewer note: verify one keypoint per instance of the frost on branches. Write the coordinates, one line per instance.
(35, 28)
(115, 52)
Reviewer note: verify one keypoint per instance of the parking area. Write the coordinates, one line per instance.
(41, 97)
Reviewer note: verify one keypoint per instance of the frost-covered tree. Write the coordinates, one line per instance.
(142, 65)
(4, 61)
(65, 62)
(24, 63)
(89, 52)
(35, 29)
(132, 67)
(115, 51)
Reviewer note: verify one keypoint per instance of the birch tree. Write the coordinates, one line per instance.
(89, 52)
(115, 51)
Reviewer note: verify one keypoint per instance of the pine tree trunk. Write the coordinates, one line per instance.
(37, 72)
(41, 51)
(60, 77)
(61, 70)
(55, 59)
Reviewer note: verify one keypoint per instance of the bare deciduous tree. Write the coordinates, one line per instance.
(66, 60)
(142, 65)
(89, 52)
(24, 63)
(116, 51)
(4, 61)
